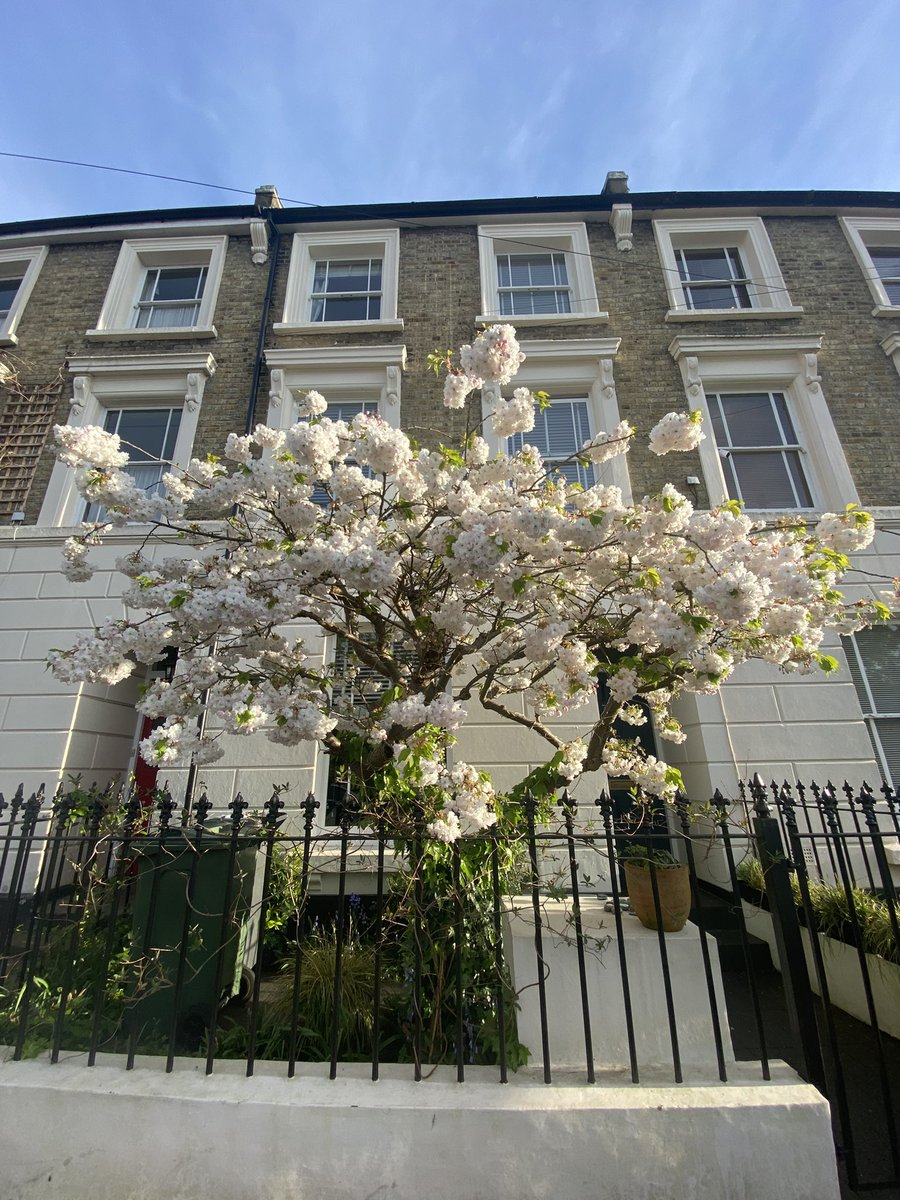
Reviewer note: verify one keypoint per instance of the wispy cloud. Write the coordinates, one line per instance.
(356, 102)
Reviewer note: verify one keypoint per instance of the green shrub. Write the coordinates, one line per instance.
(830, 904)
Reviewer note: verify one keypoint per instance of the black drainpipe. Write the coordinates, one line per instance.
(191, 785)
(263, 325)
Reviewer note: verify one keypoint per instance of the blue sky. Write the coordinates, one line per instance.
(354, 102)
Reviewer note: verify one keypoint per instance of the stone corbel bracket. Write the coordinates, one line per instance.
(694, 382)
(80, 390)
(812, 376)
(891, 347)
(259, 241)
(276, 387)
(608, 381)
(391, 391)
(620, 220)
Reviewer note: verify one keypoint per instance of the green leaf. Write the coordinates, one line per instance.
(451, 456)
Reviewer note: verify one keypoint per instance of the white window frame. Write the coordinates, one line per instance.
(777, 363)
(127, 381)
(139, 255)
(339, 372)
(768, 294)
(870, 713)
(863, 233)
(569, 238)
(27, 262)
(571, 369)
(310, 247)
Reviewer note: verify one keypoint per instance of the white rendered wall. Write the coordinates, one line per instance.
(695, 1027)
(786, 726)
(146, 1135)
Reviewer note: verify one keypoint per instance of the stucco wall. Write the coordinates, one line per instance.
(151, 1136)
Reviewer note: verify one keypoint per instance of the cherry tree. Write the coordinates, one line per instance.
(516, 588)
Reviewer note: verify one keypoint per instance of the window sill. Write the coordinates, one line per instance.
(8, 339)
(592, 318)
(887, 310)
(175, 333)
(319, 326)
(733, 314)
(777, 514)
(771, 514)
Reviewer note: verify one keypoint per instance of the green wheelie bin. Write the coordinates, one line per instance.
(191, 889)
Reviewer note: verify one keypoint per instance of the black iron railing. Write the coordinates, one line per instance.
(262, 936)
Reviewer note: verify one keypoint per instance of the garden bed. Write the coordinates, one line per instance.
(842, 970)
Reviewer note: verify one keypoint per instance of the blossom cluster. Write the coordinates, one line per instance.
(467, 803)
(507, 586)
(493, 357)
(677, 431)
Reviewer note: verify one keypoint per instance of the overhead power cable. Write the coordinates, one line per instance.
(760, 283)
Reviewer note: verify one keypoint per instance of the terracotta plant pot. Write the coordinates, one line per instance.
(674, 887)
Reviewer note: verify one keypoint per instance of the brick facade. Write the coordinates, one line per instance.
(764, 718)
(439, 297)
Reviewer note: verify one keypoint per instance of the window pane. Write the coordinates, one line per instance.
(713, 297)
(363, 275)
(145, 432)
(348, 277)
(701, 269)
(346, 290)
(559, 431)
(879, 649)
(8, 290)
(751, 419)
(149, 289)
(715, 412)
(539, 284)
(764, 480)
(346, 410)
(170, 316)
(179, 283)
(886, 260)
(873, 656)
(542, 270)
(888, 734)
(549, 302)
(521, 270)
(172, 434)
(795, 470)
(699, 265)
(345, 308)
(784, 417)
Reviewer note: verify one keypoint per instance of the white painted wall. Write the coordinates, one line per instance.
(146, 1135)
(787, 726)
(609, 1031)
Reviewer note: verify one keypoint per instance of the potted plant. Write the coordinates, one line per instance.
(673, 885)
